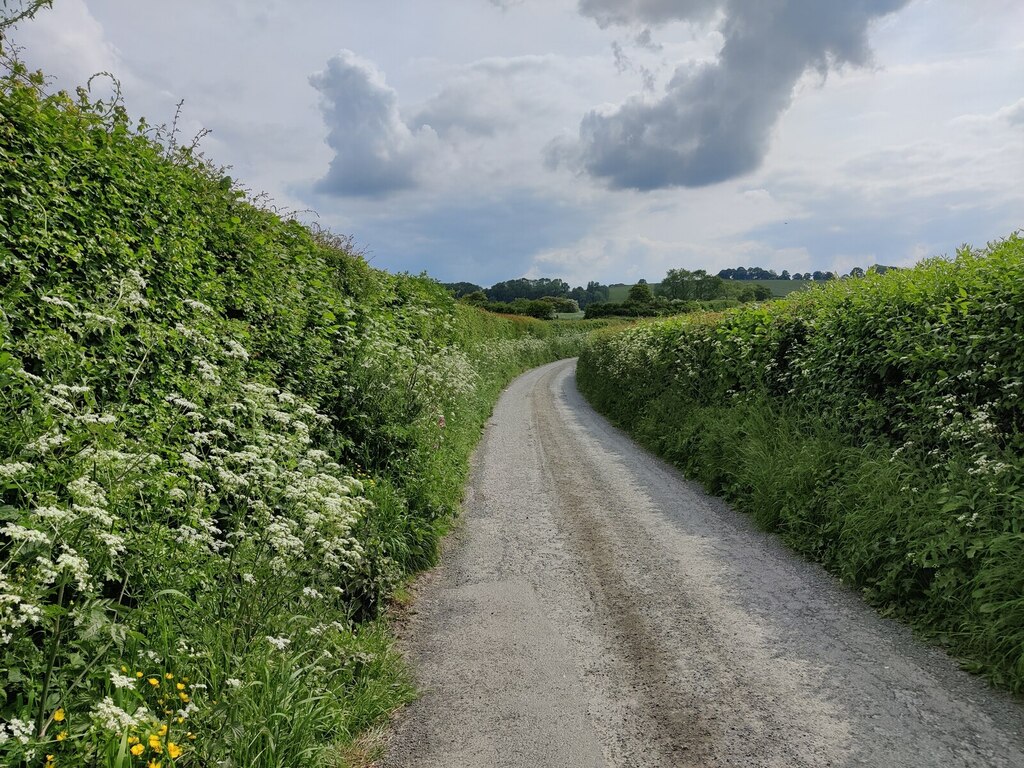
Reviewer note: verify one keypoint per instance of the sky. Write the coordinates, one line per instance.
(609, 140)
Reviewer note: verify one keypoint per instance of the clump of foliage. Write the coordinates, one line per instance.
(224, 442)
(545, 308)
(875, 423)
(656, 306)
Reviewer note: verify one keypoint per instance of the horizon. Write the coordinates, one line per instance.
(592, 140)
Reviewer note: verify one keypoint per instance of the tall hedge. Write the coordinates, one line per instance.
(224, 442)
(876, 423)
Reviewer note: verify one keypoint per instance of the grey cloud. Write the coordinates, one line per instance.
(492, 95)
(1015, 113)
(376, 153)
(627, 12)
(623, 64)
(645, 40)
(622, 61)
(715, 121)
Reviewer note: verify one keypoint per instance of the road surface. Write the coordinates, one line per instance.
(594, 608)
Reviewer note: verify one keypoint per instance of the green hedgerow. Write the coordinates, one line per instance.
(875, 423)
(224, 441)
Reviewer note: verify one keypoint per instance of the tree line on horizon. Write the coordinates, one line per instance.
(543, 297)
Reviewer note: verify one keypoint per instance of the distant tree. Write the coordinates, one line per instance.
(594, 292)
(784, 275)
(677, 284)
(542, 310)
(561, 303)
(709, 287)
(683, 285)
(597, 292)
(856, 272)
(640, 293)
(461, 289)
(476, 298)
(527, 288)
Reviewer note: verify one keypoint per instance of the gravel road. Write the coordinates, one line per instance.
(594, 608)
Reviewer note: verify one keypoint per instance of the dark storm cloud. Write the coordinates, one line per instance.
(375, 151)
(715, 121)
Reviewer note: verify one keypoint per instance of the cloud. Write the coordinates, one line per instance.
(715, 120)
(494, 94)
(375, 152)
(1012, 114)
(483, 239)
(656, 12)
(71, 42)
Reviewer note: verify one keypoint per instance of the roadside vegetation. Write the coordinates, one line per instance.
(225, 441)
(874, 423)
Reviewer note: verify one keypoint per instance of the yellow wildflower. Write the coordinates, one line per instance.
(191, 736)
(138, 675)
(133, 739)
(62, 735)
(173, 750)
(59, 715)
(154, 764)
(138, 749)
(183, 696)
(153, 681)
(163, 730)
(169, 676)
(154, 743)
(124, 669)
(180, 686)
